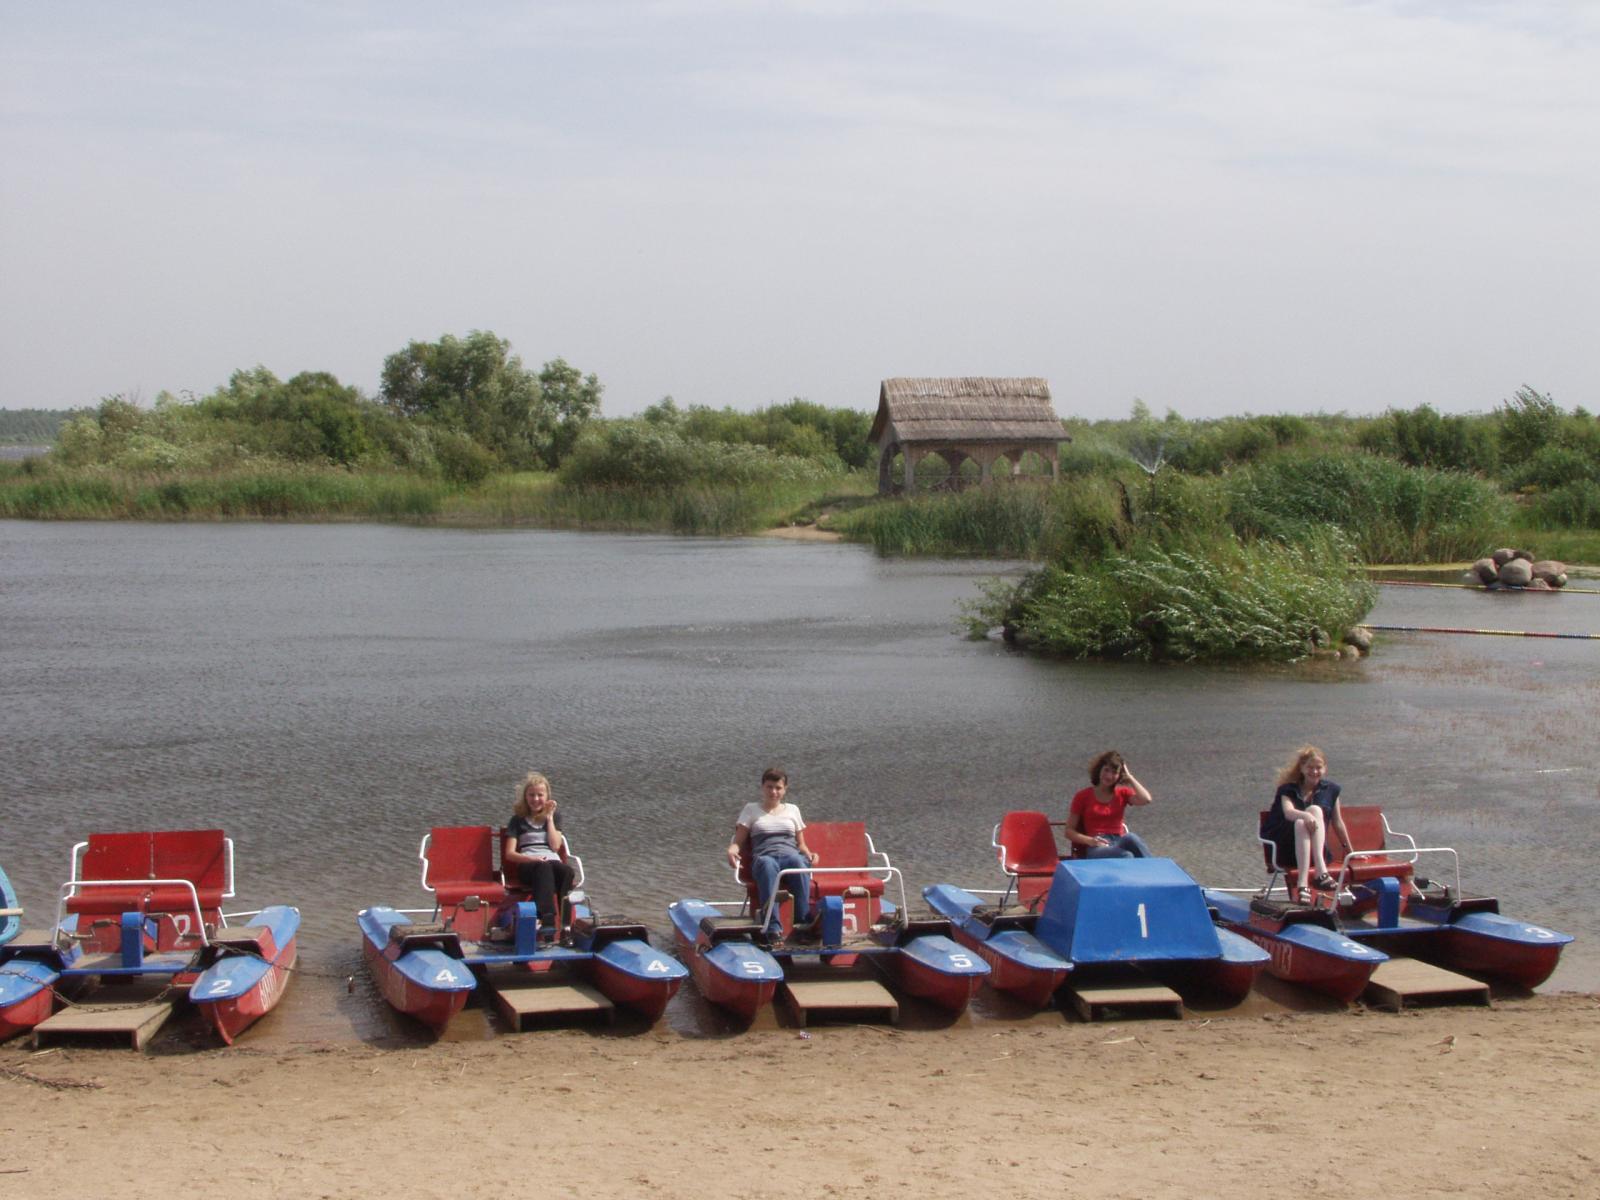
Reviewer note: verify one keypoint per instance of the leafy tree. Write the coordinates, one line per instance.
(476, 386)
(311, 417)
(1528, 421)
(571, 400)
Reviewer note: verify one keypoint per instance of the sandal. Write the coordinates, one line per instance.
(1325, 882)
(1299, 896)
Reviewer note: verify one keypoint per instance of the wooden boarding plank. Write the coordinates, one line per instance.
(519, 1002)
(1093, 1001)
(805, 996)
(137, 1023)
(1402, 981)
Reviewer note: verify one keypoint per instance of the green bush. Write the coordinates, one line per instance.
(1228, 600)
(650, 456)
(1551, 467)
(1570, 506)
(1422, 437)
(1528, 421)
(460, 459)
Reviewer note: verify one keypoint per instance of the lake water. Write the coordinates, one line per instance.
(326, 693)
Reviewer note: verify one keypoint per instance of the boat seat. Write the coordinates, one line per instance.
(1368, 831)
(198, 855)
(460, 865)
(1027, 847)
(843, 844)
(721, 929)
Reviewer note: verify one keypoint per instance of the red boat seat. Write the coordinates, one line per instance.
(1368, 831)
(198, 855)
(1028, 853)
(461, 864)
(842, 844)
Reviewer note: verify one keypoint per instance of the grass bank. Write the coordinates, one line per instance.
(42, 490)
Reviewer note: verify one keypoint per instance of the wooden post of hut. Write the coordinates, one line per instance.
(983, 419)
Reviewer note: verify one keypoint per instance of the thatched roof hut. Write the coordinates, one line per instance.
(982, 418)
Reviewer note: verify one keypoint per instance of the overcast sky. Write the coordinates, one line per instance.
(1217, 206)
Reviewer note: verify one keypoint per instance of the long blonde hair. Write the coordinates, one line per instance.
(521, 805)
(1294, 771)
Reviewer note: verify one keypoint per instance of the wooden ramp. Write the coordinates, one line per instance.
(520, 1003)
(851, 996)
(134, 1024)
(1133, 997)
(1403, 981)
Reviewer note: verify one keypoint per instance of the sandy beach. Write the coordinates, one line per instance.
(1433, 1102)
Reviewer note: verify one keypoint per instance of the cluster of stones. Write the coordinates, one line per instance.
(1516, 568)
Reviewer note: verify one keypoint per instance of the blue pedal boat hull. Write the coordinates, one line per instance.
(734, 974)
(1019, 963)
(1306, 953)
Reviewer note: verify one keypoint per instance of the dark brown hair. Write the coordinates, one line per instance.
(775, 774)
(1100, 760)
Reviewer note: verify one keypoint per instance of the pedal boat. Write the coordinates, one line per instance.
(428, 967)
(1381, 908)
(853, 923)
(148, 905)
(27, 982)
(1094, 920)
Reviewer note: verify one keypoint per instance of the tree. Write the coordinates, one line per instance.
(571, 399)
(476, 386)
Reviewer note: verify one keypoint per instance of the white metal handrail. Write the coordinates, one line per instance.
(889, 873)
(578, 876)
(72, 886)
(1409, 856)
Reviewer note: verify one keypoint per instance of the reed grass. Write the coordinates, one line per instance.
(1083, 514)
(305, 493)
(1389, 511)
(1233, 600)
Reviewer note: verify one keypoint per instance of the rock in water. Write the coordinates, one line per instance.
(1360, 638)
(1518, 572)
(1549, 570)
(1486, 570)
(1503, 555)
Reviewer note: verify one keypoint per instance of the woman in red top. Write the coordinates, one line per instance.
(1094, 825)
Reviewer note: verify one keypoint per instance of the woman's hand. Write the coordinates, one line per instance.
(733, 855)
(813, 857)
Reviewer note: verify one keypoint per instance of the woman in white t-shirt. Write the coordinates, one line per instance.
(774, 833)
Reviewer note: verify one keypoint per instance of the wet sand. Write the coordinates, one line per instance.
(1433, 1102)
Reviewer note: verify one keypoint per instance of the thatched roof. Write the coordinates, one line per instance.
(969, 409)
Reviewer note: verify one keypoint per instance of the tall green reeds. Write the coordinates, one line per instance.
(1083, 514)
(271, 493)
(1234, 600)
(1389, 511)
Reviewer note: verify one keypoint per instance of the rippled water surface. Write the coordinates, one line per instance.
(327, 693)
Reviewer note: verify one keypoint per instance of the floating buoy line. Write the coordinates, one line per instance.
(1478, 587)
(1581, 637)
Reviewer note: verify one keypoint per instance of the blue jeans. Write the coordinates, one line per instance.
(766, 868)
(1126, 845)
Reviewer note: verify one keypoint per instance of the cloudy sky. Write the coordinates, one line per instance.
(1217, 206)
